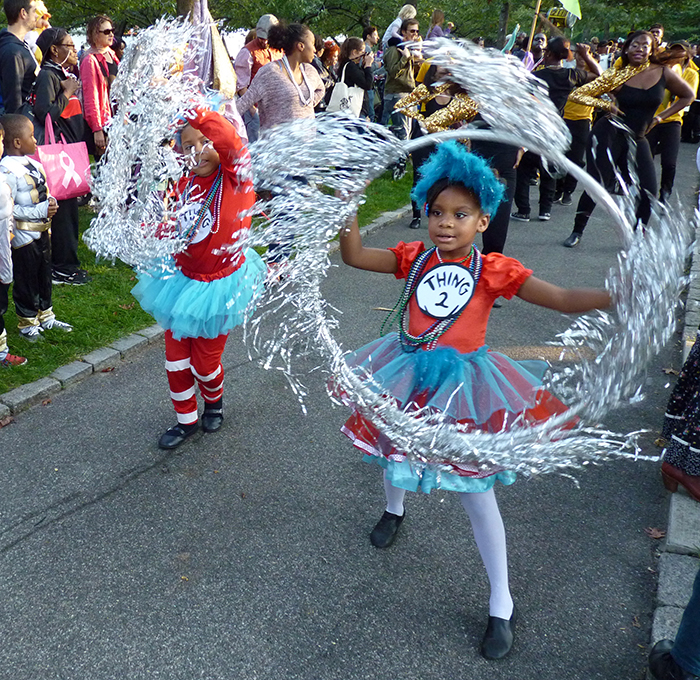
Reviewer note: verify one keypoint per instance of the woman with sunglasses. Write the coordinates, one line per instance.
(97, 71)
(56, 98)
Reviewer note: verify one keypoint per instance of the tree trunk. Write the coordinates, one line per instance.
(184, 7)
(503, 24)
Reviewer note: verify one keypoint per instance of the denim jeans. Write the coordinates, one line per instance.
(401, 125)
(686, 648)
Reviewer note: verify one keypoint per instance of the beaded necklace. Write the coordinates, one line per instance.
(429, 337)
(213, 196)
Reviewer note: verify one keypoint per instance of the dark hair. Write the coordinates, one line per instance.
(431, 78)
(406, 23)
(94, 25)
(285, 36)
(14, 124)
(559, 48)
(661, 26)
(318, 42)
(48, 38)
(2, 131)
(445, 182)
(349, 45)
(367, 31)
(633, 36)
(13, 8)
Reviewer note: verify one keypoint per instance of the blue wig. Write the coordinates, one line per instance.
(451, 161)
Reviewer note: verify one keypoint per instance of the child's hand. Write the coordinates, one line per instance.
(53, 207)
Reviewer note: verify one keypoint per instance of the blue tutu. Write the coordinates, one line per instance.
(484, 390)
(202, 309)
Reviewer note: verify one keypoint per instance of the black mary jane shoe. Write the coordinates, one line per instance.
(176, 436)
(385, 531)
(663, 666)
(212, 419)
(415, 223)
(498, 638)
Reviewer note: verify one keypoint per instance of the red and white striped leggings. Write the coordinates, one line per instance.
(192, 358)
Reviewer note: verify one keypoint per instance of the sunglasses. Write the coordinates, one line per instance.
(413, 30)
(107, 31)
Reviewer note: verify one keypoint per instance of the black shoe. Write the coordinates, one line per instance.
(415, 223)
(176, 435)
(212, 419)
(557, 196)
(497, 304)
(498, 638)
(384, 533)
(520, 217)
(566, 199)
(663, 666)
(572, 241)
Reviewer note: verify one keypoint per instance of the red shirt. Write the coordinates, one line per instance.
(209, 255)
(500, 277)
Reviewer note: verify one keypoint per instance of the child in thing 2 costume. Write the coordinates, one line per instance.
(214, 283)
(438, 359)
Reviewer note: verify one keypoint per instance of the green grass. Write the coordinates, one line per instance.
(385, 194)
(104, 310)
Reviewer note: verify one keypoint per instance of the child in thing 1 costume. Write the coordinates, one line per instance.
(438, 361)
(214, 283)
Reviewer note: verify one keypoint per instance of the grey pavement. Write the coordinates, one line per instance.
(246, 553)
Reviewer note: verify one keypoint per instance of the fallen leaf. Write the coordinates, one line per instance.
(660, 442)
(109, 369)
(184, 578)
(635, 622)
(46, 402)
(242, 495)
(653, 532)
(6, 421)
(670, 371)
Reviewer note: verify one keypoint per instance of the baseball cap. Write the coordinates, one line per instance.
(265, 23)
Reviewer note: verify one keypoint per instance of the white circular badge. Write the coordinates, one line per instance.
(445, 290)
(187, 216)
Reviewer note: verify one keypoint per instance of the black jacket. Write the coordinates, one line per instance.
(17, 71)
(52, 100)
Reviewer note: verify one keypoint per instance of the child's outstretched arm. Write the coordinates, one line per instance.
(356, 255)
(222, 134)
(567, 300)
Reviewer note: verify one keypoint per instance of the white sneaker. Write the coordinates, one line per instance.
(31, 333)
(55, 324)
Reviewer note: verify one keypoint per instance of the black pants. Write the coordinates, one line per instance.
(4, 287)
(580, 130)
(665, 139)
(419, 156)
(607, 152)
(691, 124)
(501, 158)
(528, 166)
(32, 271)
(64, 237)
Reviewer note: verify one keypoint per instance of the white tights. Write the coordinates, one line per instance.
(490, 537)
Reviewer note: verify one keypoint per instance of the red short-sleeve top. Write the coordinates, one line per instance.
(500, 277)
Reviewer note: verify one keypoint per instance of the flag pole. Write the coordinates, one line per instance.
(534, 23)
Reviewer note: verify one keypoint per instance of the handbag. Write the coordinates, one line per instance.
(67, 166)
(346, 99)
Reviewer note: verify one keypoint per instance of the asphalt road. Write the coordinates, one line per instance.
(246, 553)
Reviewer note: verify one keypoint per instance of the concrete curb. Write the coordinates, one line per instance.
(24, 397)
(109, 357)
